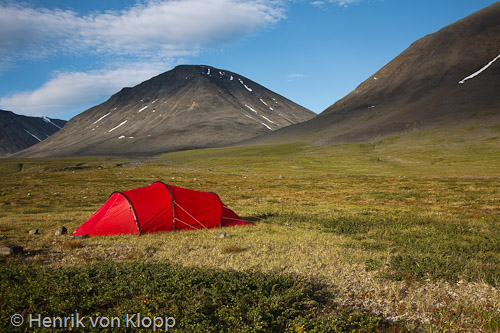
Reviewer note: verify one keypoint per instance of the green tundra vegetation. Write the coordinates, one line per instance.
(387, 236)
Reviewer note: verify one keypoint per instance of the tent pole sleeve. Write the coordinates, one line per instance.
(173, 204)
(132, 209)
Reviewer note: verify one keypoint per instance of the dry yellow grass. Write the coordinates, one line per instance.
(337, 216)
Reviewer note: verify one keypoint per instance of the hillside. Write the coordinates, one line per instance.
(19, 132)
(185, 108)
(449, 79)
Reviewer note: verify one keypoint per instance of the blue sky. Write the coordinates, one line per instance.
(60, 57)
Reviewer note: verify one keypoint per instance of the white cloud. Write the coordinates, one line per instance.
(32, 33)
(74, 90)
(179, 25)
(317, 3)
(340, 3)
(154, 29)
(294, 76)
(344, 3)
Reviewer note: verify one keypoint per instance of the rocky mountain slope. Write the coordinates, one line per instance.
(19, 132)
(450, 78)
(187, 107)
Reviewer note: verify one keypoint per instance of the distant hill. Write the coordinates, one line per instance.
(450, 78)
(19, 132)
(187, 107)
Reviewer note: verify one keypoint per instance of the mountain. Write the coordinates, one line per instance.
(187, 107)
(450, 79)
(20, 132)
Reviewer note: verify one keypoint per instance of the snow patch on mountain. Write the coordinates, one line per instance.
(98, 120)
(479, 71)
(33, 135)
(241, 81)
(47, 120)
(122, 123)
(251, 108)
(269, 120)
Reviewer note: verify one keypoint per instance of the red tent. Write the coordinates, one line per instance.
(158, 208)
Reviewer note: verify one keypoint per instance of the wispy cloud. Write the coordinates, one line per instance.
(344, 3)
(67, 91)
(151, 31)
(294, 76)
(317, 3)
(35, 33)
(178, 26)
(340, 3)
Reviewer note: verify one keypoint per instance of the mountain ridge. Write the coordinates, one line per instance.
(419, 89)
(190, 106)
(18, 132)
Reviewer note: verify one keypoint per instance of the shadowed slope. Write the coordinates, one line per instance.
(19, 132)
(449, 78)
(185, 108)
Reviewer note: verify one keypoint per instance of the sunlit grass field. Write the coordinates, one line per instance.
(387, 236)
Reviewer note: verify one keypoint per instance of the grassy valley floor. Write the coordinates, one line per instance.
(368, 237)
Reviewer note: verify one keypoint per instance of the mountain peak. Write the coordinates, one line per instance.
(19, 132)
(190, 106)
(448, 78)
